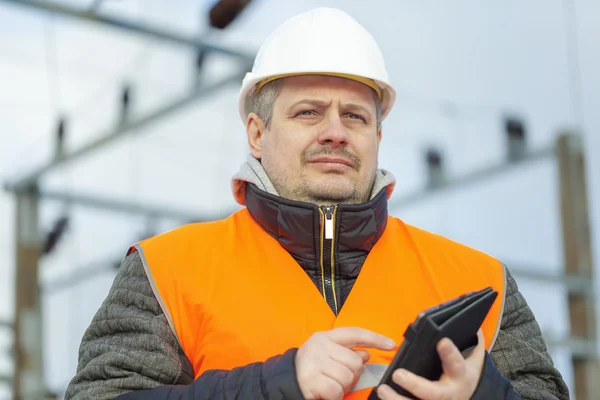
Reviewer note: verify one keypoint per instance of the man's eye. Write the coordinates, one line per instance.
(305, 112)
(356, 116)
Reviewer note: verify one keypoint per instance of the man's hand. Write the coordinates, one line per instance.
(458, 382)
(326, 364)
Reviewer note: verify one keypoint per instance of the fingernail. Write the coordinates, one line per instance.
(400, 374)
(445, 345)
(390, 343)
(384, 391)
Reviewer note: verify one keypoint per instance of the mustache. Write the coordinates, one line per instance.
(326, 151)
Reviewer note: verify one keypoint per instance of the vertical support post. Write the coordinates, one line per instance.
(578, 258)
(28, 379)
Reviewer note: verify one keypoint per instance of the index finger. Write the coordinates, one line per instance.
(353, 337)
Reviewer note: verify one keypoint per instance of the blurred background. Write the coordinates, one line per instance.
(118, 121)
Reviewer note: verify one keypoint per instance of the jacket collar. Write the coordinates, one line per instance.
(297, 226)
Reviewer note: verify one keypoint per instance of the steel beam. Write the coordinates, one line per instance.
(127, 207)
(573, 283)
(580, 348)
(154, 32)
(472, 178)
(6, 324)
(121, 129)
(5, 380)
(79, 275)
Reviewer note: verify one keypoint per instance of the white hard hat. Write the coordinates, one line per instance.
(322, 41)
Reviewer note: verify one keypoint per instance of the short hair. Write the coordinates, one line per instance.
(261, 103)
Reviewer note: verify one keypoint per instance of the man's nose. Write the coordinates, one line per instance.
(335, 134)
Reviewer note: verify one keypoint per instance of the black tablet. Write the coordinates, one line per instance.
(458, 319)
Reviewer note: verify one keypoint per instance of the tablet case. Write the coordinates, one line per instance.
(458, 319)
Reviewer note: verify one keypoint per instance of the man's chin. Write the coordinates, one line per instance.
(332, 193)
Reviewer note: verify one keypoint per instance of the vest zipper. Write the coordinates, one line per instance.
(327, 258)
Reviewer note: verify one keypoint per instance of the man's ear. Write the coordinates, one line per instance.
(379, 136)
(255, 129)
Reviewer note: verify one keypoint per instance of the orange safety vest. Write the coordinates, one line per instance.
(234, 296)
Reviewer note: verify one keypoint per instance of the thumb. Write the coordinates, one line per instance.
(477, 356)
(479, 350)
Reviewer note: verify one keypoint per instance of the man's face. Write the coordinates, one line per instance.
(322, 143)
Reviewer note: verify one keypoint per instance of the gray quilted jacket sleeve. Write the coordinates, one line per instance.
(129, 345)
(520, 352)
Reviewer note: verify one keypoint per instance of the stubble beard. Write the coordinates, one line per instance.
(322, 194)
(301, 188)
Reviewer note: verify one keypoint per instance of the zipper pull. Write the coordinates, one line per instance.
(329, 223)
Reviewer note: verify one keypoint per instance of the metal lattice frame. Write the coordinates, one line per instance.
(28, 377)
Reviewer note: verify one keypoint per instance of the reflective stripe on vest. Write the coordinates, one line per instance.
(234, 296)
(370, 376)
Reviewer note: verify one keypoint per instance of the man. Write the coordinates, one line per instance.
(307, 291)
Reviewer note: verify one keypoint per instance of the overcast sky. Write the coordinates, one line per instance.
(457, 66)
